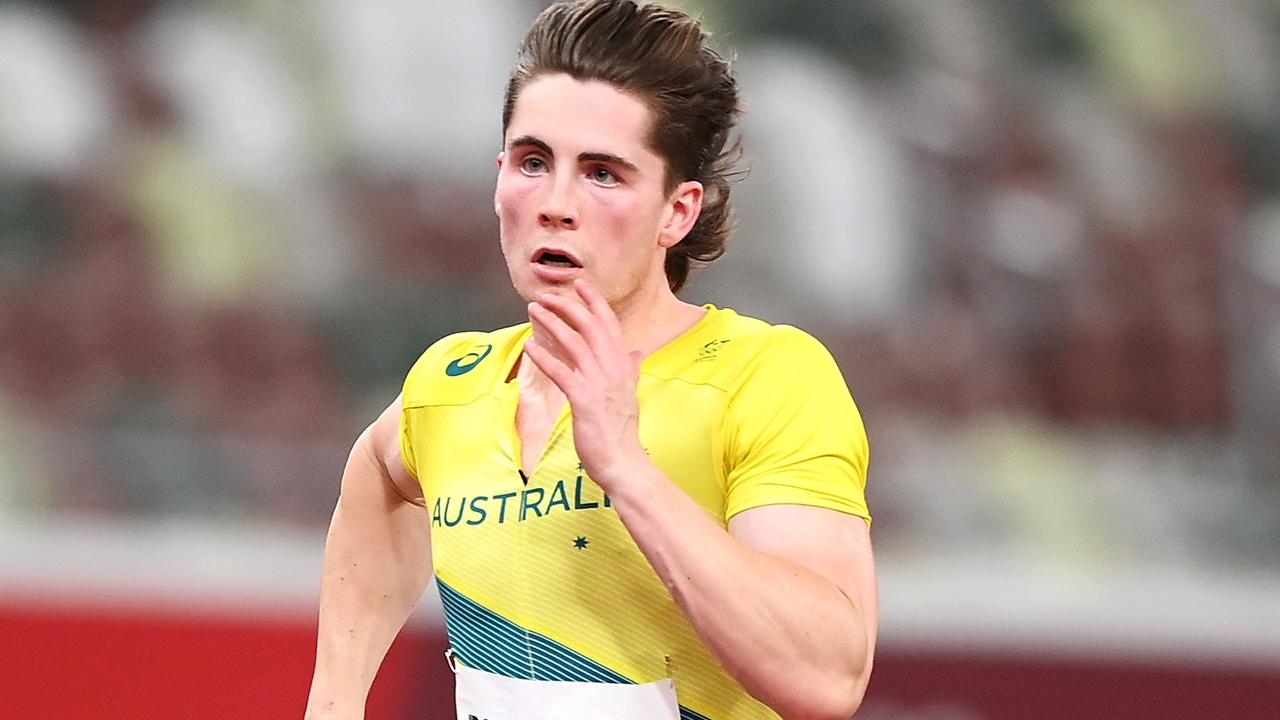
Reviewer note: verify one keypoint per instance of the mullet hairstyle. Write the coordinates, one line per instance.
(663, 58)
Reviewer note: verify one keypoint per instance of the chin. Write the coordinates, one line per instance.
(529, 287)
(524, 286)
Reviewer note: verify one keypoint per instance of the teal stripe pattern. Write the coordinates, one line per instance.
(484, 640)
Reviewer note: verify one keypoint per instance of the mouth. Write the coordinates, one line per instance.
(550, 257)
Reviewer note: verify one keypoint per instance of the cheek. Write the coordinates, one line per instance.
(631, 223)
(511, 192)
(618, 211)
(510, 200)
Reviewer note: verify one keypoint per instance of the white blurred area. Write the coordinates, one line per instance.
(1042, 238)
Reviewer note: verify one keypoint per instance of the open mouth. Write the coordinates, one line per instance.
(555, 258)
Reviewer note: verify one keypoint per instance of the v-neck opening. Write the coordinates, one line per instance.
(517, 442)
(511, 392)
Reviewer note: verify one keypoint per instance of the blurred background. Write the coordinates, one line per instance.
(1042, 238)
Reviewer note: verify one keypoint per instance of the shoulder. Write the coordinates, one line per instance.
(459, 367)
(786, 344)
(735, 350)
(788, 363)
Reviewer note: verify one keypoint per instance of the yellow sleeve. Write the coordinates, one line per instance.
(406, 447)
(794, 435)
(418, 387)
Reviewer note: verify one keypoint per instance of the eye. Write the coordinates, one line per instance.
(603, 176)
(533, 165)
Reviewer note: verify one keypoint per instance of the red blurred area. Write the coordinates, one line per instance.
(61, 663)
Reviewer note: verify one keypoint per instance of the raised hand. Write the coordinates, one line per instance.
(598, 376)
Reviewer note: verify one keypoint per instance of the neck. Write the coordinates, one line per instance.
(652, 317)
(649, 318)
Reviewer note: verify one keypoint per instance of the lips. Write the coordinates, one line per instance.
(555, 258)
(555, 265)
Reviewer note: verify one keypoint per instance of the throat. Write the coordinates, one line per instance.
(538, 406)
(536, 416)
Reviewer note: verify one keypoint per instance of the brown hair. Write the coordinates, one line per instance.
(662, 57)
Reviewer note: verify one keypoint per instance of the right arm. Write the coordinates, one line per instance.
(377, 561)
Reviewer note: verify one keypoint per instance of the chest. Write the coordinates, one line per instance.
(490, 448)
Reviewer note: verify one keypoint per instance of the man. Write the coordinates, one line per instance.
(633, 507)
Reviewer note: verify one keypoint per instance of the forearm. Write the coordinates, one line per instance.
(790, 636)
(377, 563)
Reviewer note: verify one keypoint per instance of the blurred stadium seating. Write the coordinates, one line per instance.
(1042, 238)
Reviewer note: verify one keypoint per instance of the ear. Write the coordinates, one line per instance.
(497, 206)
(683, 208)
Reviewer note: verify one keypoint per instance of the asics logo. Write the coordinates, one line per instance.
(463, 365)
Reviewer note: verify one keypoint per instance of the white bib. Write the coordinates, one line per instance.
(485, 696)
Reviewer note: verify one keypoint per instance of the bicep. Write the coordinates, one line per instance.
(377, 508)
(378, 551)
(383, 445)
(833, 544)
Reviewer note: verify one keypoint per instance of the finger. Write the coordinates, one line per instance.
(599, 307)
(579, 317)
(551, 366)
(575, 347)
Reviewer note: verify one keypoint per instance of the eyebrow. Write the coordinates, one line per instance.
(589, 156)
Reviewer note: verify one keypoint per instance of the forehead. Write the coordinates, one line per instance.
(577, 115)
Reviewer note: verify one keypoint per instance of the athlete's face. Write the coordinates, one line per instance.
(580, 193)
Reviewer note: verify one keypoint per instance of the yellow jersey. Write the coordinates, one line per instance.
(539, 578)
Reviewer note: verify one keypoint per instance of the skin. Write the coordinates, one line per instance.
(785, 597)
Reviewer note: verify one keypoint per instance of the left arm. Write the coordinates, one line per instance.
(785, 599)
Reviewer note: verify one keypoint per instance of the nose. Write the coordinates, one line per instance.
(559, 210)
